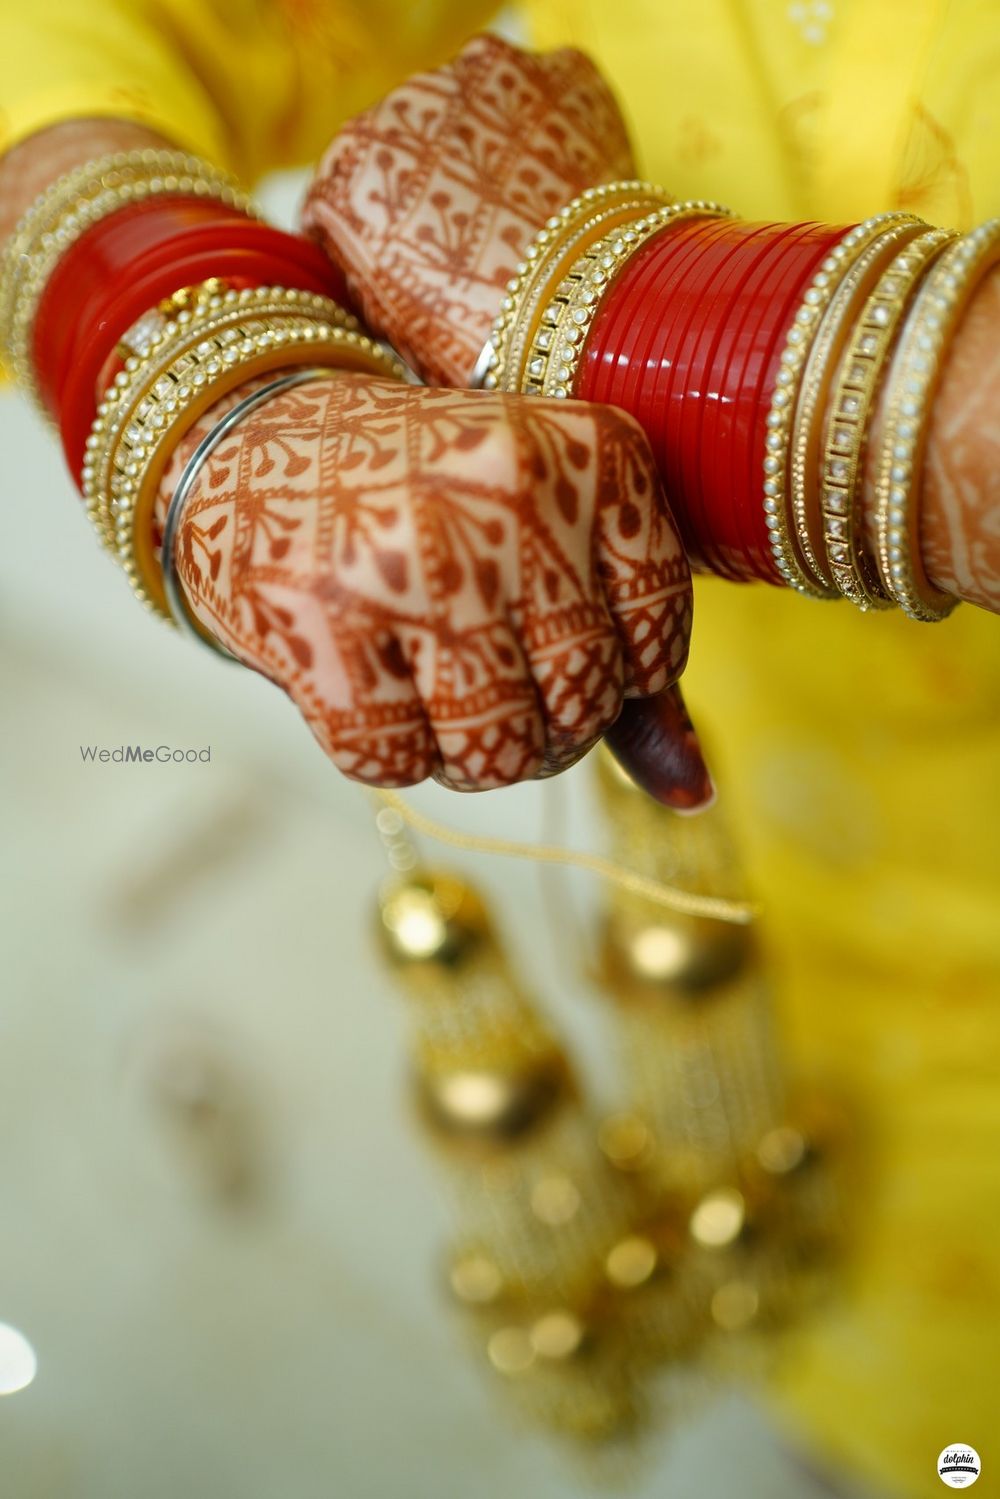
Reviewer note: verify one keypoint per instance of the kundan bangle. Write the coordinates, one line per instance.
(184, 369)
(173, 592)
(914, 378)
(72, 205)
(791, 544)
(565, 235)
(848, 416)
(803, 520)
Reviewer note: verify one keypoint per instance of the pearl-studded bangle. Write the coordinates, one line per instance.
(794, 401)
(187, 368)
(69, 207)
(913, 381)
(850, 410)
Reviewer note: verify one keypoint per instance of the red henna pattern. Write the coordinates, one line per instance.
(429, 199)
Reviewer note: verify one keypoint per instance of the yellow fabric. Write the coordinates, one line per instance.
(860, 755)
(249, 84)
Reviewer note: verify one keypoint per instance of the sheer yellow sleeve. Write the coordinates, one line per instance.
(249, 84)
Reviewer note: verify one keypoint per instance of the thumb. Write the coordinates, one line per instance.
(654, 741)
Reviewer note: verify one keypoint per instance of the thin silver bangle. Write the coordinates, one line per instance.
(483, 365)
(211, 440)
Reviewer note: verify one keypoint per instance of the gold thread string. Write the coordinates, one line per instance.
(687, 902)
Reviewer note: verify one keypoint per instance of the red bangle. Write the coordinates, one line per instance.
(131, 261)
(748, 385)
(707, 301)
(689, 340)
(720, 494)
(97, 266)
(614, 363)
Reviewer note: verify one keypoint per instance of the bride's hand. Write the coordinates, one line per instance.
(446, 583)
(429, 199)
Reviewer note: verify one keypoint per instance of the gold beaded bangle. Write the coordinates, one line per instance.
(163, 341)
(565, 321)
(565, 234)
(151, 406)
(790, 543)
(854, 389)
(824, 356)
(73, 204)
(913, 381)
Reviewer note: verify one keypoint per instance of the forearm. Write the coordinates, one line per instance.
(960, 514)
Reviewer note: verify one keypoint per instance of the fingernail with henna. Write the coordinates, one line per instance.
(654, 741)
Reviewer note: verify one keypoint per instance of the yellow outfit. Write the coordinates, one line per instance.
(860, 754)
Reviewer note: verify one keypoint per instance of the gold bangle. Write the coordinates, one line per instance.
(824, 356)
(150, 407)
(565, 233)
(854, 388)
(565, 321)
(73, 204)
(913, 382)
(794, 398)
(162, 342)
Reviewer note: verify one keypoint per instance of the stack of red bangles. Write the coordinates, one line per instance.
(753, 356)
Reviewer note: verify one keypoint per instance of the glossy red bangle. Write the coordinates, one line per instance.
(697, 365)
(138, 248)
(696, 375)
(617, 373)
(131, 261)
(709, 437)
(748, 387)
(97, 266)
(707, 301)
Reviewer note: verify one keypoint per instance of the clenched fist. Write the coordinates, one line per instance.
(446, 583)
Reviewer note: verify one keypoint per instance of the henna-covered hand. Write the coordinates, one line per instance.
(429, 199)
(447, 583)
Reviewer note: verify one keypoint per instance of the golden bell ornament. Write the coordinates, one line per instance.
(429, 917)
(493, 1106)
(646, 953)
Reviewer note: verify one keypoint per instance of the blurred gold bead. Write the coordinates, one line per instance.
(510, 1350)
(626, 1140)
(719, 1218)
(557, 1335)
(493, 1104)
(631, 1262)
(476, 1279)
(428, 917)
(555, 1200)
(782, 1150)
(675, 952)
(735, 1305)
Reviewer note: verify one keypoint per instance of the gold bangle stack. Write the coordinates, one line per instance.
(806, 361)
(913, 381)
(805, 520)
(849, 414)
(215, 345)
(73, 204)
